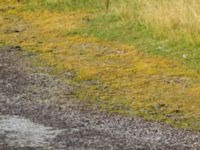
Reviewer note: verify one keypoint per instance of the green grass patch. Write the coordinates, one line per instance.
(64, 5)
(128, 22)
(111, 28)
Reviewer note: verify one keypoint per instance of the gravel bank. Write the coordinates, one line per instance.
(35, 101)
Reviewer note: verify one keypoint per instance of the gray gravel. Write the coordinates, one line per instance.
(37, 111)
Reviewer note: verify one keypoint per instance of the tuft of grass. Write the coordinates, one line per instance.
(171, 19)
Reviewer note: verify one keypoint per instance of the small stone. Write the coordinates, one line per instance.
(184, 56)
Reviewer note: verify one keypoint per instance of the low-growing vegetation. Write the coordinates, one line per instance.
(116, 58)
(158, 27)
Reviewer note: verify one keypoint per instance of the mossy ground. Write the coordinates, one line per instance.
(112, 76)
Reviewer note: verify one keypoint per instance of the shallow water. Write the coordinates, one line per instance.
(21, 132)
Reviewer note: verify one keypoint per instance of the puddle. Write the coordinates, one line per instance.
(21, 132)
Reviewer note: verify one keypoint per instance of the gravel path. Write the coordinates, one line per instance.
(31, 117)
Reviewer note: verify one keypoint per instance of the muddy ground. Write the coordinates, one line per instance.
(33, 117)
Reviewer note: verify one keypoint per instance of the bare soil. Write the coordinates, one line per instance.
(33, 116)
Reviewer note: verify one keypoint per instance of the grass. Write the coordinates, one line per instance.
(115, 60)
(111, 28)
(64, 5)
(167, 28)
(175, 37)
